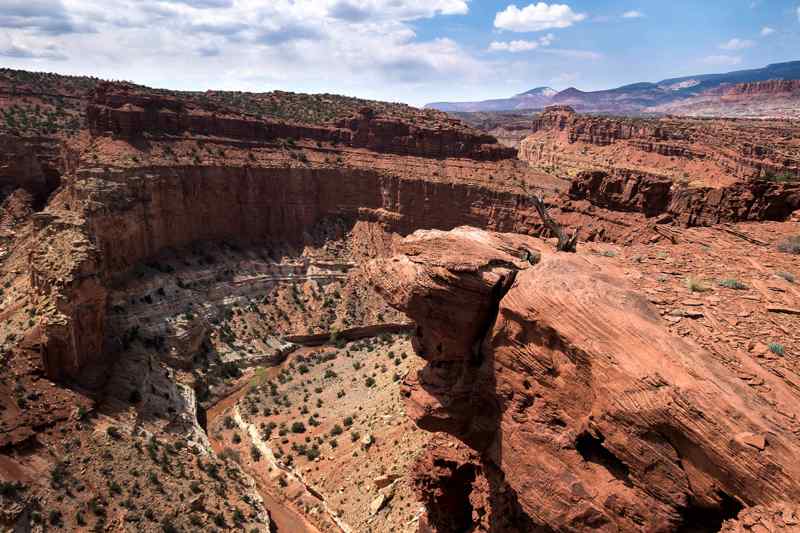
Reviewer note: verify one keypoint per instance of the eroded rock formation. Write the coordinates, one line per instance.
(691, 206)
(581, 408)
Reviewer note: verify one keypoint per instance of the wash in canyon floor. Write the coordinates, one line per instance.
(281, 312)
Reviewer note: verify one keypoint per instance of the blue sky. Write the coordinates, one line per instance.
(415, 51)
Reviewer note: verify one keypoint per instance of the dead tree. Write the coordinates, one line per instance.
(566, 243)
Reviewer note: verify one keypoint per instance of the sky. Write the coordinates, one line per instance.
(413, 51)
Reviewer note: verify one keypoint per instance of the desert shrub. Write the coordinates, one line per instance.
(255, 453)
(788, 276)
(298, 427)
(11, 488)
(168, 527)
(696, 285)
(732, 284)
(777, 348)
(791, 245)
(337, 430)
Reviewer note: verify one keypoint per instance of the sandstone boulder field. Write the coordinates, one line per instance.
(281, 312)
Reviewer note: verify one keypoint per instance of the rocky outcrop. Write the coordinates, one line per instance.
(773, 518)
(594, 130)
(568, 385)
(691, 206)
(624, 191)
(771, 87)
(131, 113)
(70, 296)
(744, 201)
(31, 164)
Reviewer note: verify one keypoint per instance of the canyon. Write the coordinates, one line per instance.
(285, 312)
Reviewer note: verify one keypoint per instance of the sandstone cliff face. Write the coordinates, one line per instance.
(583, 412)
(133, 214)
(697, 206)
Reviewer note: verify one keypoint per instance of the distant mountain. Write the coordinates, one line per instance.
(629, 99)
(533, 99)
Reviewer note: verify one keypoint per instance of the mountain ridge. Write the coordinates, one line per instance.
(632, 98)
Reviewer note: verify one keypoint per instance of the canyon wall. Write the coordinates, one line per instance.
(133, 214)
(129, 215)
(691, 206)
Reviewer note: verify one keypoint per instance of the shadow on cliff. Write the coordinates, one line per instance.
(469, 493)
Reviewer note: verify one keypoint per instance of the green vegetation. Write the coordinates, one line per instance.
(732, 284)
(777, 349)
(780, 177)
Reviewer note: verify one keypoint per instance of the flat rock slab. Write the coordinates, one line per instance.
(783, 310)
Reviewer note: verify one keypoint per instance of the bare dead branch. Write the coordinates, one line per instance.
(566, 243)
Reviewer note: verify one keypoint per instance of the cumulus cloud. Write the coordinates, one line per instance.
(767, 31)
(364, 47)
(537, 17)
(521, 45)
(737, 44)
(722, 60)
(44, 16)
(633, 14)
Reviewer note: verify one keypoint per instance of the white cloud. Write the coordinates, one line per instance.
(737, 44)
(633, 14)
(565, 78)
(364, 47)
(537, 17)
(573, 54)
(521, 45)
(798, 12)
(722, 60)
(766, 31)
